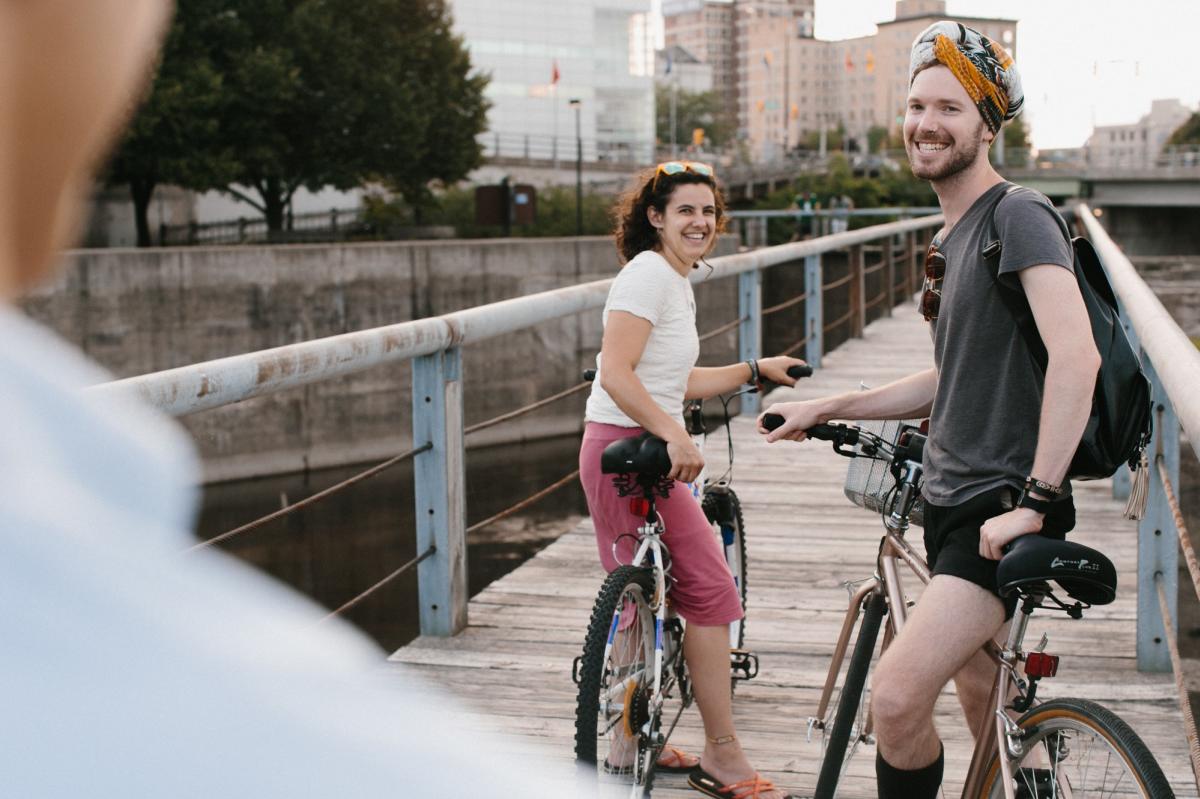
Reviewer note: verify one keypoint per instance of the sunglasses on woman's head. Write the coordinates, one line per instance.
(675, 167)
(935, 270)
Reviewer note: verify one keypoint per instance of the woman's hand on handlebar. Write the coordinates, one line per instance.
(798, 417)
(686, 460)
(776, 369)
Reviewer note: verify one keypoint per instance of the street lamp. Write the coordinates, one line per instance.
(575, 103)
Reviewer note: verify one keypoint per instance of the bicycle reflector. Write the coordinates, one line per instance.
(639, 506)
(1039, 664)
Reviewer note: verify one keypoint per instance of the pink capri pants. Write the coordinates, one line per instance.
(702, 588)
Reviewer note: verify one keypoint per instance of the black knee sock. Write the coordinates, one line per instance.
(921, 783)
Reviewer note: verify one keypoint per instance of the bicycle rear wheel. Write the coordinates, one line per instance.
(1077, 748)
(613, 713)
(850, 714)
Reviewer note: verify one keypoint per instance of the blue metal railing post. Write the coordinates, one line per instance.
(814, 317)
(1158, 539)
(750, 328)
(438, 487)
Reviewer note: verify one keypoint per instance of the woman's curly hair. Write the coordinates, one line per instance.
(633, 231)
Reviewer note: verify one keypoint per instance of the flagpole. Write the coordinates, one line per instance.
(554, 102)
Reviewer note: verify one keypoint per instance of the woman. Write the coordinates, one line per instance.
(646, 369)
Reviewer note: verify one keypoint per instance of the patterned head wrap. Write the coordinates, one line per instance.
(984, 68)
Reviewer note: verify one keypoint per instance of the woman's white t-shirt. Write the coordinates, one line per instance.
(649, 288)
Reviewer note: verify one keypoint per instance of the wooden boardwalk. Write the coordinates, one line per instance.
(512, 665)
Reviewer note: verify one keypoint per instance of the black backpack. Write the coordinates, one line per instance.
(1119, 426)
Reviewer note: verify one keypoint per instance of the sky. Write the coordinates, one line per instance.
(1082, 62)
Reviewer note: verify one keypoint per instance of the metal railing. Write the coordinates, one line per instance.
(331, 225)
(1172, 362)
(434, 346)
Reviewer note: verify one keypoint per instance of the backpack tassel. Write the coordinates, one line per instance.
(1139, 490)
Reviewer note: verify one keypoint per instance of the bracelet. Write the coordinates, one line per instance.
(1032, 483)
(753, 364)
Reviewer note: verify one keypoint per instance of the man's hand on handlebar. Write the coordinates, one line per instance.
(797, 418)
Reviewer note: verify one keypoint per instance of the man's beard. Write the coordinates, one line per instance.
(960, 159)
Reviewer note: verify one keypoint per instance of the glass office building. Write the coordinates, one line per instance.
(542, 54)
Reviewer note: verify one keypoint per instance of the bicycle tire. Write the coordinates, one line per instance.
(594, 718)
(851, 697)
(1090, 727)
(731, 530)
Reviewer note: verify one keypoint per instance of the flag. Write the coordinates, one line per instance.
(870, 63)
(795, 111)
(767, 58)
(849, 62)
(554, 73)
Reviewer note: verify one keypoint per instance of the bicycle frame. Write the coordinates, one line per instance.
(894, 549)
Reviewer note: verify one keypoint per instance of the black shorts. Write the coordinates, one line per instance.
(952, 536)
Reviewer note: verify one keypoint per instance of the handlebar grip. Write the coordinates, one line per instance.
(589, 375)
(796, 372)
(825, 432)
(772, 421)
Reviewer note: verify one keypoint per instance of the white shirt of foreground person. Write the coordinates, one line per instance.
(131, 670)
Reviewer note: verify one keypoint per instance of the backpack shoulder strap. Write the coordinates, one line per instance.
(1013, 297)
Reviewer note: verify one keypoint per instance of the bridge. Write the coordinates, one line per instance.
(508, 651)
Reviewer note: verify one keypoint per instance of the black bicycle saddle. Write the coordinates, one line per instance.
(1086, 575)
(644, 455)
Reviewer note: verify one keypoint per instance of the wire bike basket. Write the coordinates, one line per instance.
(869, 480)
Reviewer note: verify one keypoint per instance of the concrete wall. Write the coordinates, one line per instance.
(138, 311)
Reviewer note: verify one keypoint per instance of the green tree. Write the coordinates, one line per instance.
(174, 137)
(877, 138)
(345, 92)
(1016, 143)
(692, 110)
(316, 93)
(1187, 133)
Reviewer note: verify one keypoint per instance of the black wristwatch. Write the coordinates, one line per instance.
(1027, 500)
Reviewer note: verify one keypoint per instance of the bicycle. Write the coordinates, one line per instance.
(1060, 748)
(632, 662)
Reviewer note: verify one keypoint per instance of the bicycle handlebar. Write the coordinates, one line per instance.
(795, 372)
(837, 433)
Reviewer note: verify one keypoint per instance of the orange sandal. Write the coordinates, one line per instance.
(752, 788)
(676, 761)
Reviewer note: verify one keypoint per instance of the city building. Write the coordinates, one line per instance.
(542, 54)
(705, 29)
(1139, 145)
(677, 67)
(790, 85)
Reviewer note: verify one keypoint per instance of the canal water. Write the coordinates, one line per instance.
(342, 545)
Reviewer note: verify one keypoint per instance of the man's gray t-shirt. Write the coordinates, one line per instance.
(984, 425)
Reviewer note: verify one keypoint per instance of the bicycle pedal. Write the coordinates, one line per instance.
(743, 664)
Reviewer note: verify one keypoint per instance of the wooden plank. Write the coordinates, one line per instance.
(512, 664)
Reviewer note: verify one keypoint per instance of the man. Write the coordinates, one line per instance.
(1001, 438)
(129, 669)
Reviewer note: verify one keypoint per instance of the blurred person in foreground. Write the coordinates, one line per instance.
(129, 669)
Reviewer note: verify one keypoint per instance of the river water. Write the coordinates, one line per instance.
(342, 545)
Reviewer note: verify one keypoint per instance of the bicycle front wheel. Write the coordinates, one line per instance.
(613, 711)
(847, 728)
(1077, 748)
(724, 511)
